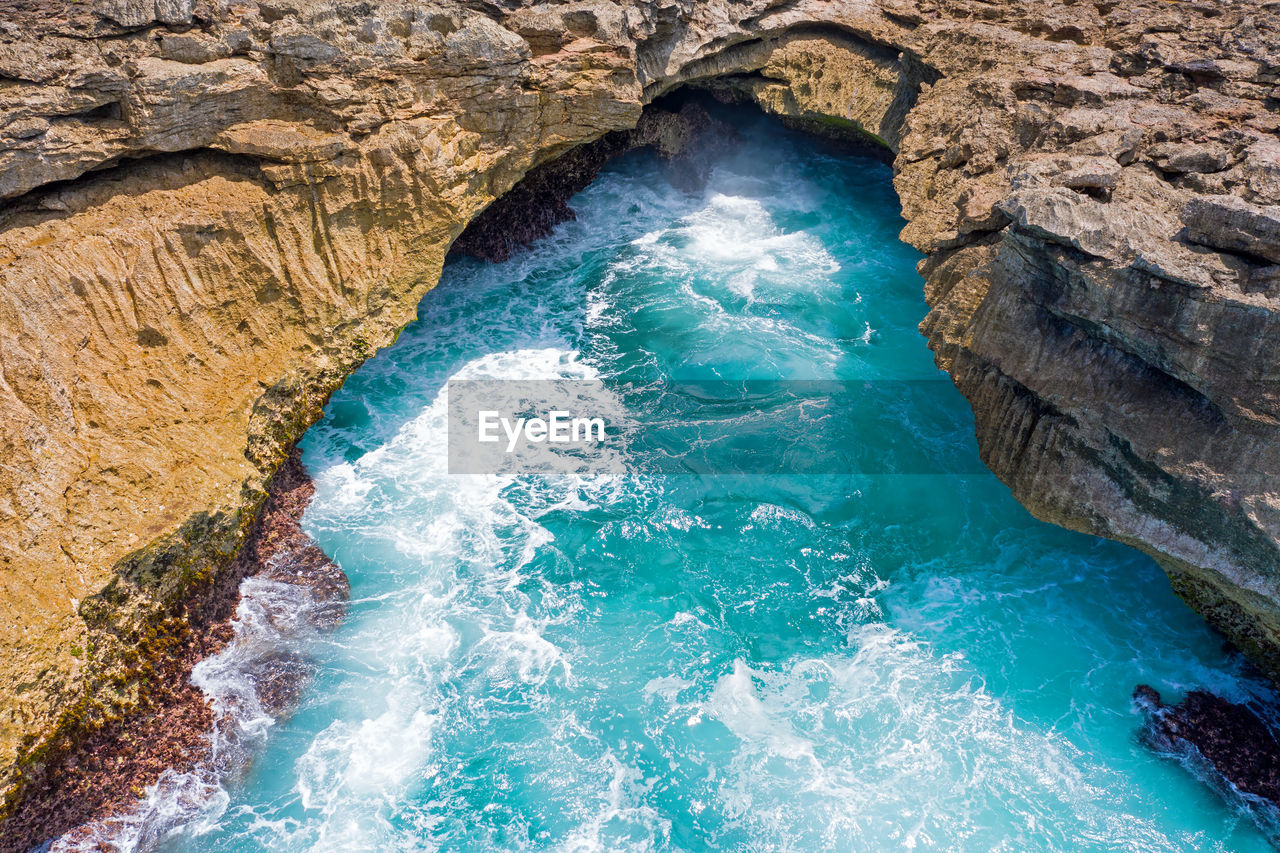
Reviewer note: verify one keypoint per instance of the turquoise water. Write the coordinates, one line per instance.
(655, 662)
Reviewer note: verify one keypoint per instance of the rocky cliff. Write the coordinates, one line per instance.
(215, 210)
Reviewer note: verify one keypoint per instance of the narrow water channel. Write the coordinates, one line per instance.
(834, 659)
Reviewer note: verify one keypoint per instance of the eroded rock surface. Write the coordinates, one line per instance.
(215, 211)
(107, 766)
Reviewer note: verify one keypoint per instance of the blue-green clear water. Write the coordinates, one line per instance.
(654, 662)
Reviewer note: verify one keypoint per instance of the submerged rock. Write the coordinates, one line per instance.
(1235, 741)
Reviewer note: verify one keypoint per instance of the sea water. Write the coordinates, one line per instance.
(850, 660)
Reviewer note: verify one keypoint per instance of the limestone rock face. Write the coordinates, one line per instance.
(215, 211)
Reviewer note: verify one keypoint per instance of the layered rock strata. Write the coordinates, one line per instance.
(214, 211)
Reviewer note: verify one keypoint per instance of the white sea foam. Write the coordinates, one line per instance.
(466, 547)
(622, 821)
(731, 249)
(894, 745)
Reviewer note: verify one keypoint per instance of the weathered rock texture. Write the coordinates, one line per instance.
(106, 767)
(217, 210)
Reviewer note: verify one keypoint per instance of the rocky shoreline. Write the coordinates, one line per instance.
(214, 212)
(1230, 745)
(104, 774)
